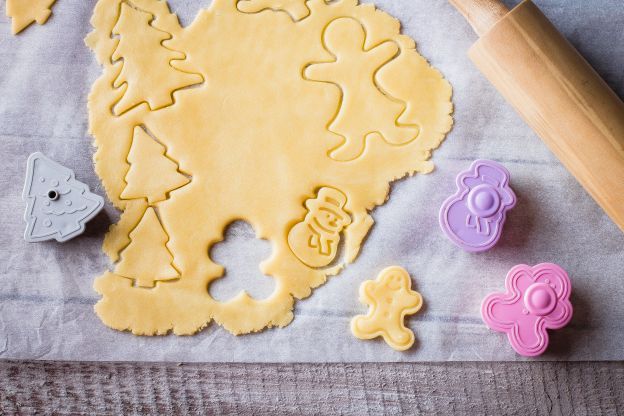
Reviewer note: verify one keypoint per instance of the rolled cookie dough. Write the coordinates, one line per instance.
(261, 105)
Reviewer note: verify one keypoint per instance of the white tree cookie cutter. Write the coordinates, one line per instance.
(58, 205)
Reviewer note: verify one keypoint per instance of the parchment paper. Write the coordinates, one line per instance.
(46, 295)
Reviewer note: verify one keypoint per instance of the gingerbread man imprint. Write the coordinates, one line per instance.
(390, 298)
(353, 70)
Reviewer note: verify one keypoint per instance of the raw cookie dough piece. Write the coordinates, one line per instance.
(25, 12)
(315, 239)
(147, 259)
(253, 138)
(148, 72)
(364, 108)
(152, 174)
(117, 237)
(390, 298)
(297, 9)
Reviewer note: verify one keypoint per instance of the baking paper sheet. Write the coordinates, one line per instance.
(46, 295)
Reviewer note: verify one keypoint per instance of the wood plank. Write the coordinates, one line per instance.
(538, 388)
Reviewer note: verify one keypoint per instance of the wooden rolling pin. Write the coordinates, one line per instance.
(556, 92)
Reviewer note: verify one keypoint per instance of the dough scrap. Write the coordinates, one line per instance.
(391, 299)
(297, 9)
(25, 12)
(253, 137)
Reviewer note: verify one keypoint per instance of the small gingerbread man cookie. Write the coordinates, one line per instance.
(390, 298)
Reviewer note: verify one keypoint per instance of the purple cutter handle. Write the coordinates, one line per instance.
(473, 217)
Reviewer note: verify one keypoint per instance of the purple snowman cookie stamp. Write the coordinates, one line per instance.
(473, 217)
(537, 299)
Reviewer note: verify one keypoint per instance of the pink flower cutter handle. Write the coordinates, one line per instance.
(537, 299)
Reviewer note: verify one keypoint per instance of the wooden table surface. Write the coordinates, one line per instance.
(537, 388)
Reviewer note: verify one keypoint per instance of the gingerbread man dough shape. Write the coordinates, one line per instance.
(391, 298)
(353, 71)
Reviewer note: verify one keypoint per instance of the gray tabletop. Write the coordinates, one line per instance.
(73, 388)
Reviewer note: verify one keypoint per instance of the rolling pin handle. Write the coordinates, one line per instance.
(481, 14)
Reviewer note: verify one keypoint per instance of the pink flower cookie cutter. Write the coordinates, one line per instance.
(473, 217)
(537, 299)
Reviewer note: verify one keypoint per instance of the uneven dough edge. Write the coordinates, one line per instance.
(113, 143)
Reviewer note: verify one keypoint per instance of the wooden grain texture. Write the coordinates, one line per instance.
(481, 14)
(562, 98)
(302, 389)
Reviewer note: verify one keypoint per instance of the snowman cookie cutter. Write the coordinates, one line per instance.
(58, 205)
(473, 217)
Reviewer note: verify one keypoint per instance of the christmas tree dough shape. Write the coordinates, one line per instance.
(255, 138)
(315, 239)
(25, 12)
(146, 259)
(148, 72)
(152, 174)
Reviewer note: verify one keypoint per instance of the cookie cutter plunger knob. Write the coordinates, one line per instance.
(483, 201)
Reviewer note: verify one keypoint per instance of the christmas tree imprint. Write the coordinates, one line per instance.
(353, 71)
(147, 259)
(297, 9)
(25, 12)
(58, 205)
(148, 74)
(152, 174)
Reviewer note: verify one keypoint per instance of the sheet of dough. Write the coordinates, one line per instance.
(232, 108)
